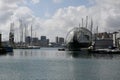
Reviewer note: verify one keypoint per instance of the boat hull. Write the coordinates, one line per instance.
(75, 46)
(29, 47)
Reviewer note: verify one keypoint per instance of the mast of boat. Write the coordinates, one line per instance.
(91, 28)
(82, 22)
(35, 34)
(79, 25)
(25, 32)
(97, 32)
(31, 36)
(86, 21)
(21, 31)
(91, 25)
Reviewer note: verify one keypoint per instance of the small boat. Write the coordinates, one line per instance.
(61, 49)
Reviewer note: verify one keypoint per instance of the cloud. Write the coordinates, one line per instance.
(113, 23)
(105, 14)
(6, 10)
(47, 14)
(110, 14)
(63, 20)
(35, 1)
(57, 1)
(10, 11)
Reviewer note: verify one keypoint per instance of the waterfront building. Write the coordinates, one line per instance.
(53, 44)
(27, 40)
(103, 43)
(104, 35)
(48, 42)
(44, 42)
(35, 41)
(116, 39)
(61, 40)
(43, 38)
(103, 40)
(57, 39)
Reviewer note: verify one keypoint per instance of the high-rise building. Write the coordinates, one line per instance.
(28, 39)
(57, 39)
(35, 41)
(43, 38)
(44, 42)
(48, 41)
(61, 40)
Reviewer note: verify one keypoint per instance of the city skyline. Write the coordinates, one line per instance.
(56, 17)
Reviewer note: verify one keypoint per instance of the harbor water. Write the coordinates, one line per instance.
(51, 64)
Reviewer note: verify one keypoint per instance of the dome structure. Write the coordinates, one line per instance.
(78, 37)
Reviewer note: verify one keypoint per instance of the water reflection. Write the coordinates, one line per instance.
(38, 54)
(5, 54)
(26, 53)
(10, 53)
(60, 54)
(78, 54)
(59, 65)
(1, 54)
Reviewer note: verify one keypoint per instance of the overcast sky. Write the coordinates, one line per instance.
(56, 17)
